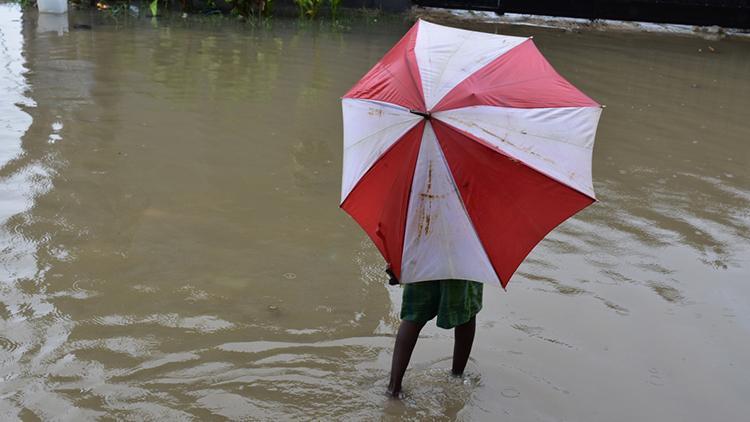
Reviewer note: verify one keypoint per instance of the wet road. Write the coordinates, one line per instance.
(171, 246)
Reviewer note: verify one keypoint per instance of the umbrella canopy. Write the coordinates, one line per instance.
(462, 150)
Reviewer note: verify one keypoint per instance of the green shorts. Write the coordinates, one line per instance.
(454, 302)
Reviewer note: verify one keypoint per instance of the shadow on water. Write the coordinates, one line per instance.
(171, 245)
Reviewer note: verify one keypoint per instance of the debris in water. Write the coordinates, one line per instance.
(290, 276)
(510, 393)
(668, 293)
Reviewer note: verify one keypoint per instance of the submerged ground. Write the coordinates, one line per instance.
(171, 245)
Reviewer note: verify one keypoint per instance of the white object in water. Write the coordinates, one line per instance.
(52, 22)
(52, 6)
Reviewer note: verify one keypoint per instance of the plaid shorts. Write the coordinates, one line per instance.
(454, 302)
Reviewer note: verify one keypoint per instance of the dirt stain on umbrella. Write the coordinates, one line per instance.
(424, 209)
(376, 112)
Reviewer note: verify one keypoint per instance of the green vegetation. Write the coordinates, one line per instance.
(247, 8)
(334, 8)
(25, 3)
(309, 8)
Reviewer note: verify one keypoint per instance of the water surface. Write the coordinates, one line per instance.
(171, 245)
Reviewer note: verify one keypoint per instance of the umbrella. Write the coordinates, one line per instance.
(462, 150)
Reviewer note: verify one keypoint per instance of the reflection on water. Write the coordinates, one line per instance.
(171, 248)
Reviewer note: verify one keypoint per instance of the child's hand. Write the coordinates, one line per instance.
(393, 280)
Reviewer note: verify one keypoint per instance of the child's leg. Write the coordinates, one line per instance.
(462, 346)
(406, 339)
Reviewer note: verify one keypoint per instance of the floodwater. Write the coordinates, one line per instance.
(171, 246)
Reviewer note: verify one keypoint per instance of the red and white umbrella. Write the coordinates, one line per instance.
(462, 150)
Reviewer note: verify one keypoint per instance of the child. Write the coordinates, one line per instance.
(454, 302)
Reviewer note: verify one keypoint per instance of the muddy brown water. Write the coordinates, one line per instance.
(171, 246)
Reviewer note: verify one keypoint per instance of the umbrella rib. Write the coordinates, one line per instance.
(359, 141)
(442, 72)
(505, 153)
(454, 185)
(401, 83)
(382, 103)
(490, 87)
(514, 83)
(520, 131)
